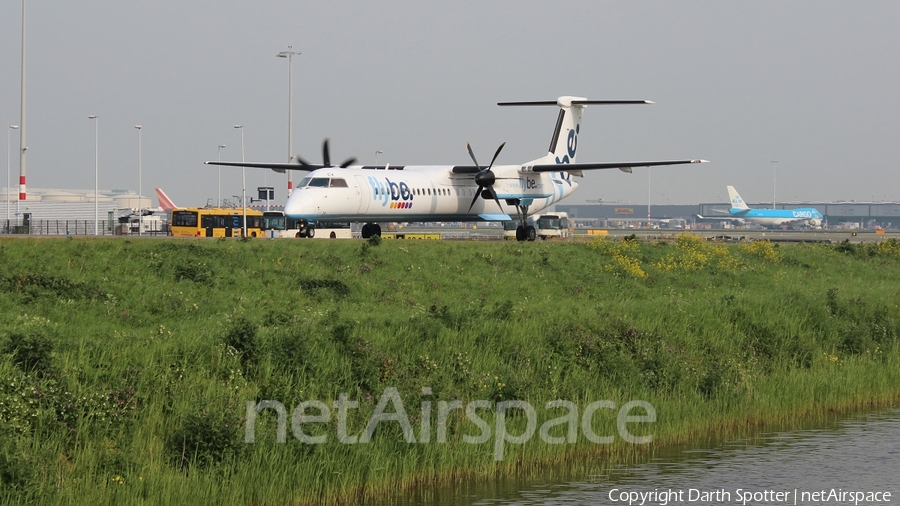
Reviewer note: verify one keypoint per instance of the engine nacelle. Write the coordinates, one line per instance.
(815, 222)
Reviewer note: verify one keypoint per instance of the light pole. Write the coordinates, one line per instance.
(774, 166)
(8, 136)
(219, 201)
(243, 181)
(648, 197)
(140, 181)
(22, 145)
(377, 152)
(288, 54)
(96, 173)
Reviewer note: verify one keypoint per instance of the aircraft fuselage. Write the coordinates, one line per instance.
(422, 193)
(779, 217)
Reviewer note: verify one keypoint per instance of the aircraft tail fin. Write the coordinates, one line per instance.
(736, 201)
(564, 143)
(164, 201)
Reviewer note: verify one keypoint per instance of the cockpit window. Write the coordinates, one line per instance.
(304, 182)
(337, 182)
(319, 182)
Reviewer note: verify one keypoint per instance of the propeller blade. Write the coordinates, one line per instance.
(495, 155)
(496, 199)
(326, 157)
(472, 155)
(476, 195)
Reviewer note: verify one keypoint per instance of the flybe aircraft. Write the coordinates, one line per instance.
(370, 194)
(772, 217)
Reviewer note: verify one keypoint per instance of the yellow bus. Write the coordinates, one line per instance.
(214, 222)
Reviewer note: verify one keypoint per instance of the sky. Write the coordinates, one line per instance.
(810, 84)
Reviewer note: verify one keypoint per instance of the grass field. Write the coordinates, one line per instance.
(126, 366)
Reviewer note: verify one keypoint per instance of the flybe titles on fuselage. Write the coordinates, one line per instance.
(397, 195)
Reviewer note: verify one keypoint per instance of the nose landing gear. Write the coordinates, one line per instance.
(306, 230)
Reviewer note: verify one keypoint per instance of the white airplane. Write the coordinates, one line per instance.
(370, 194)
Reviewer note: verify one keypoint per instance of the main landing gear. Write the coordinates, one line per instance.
(370, 229)
(524, 232)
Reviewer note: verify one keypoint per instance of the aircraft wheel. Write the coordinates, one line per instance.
(366, 231)
(377, 229)
(310, 232)
(530, 233)
(520, 233)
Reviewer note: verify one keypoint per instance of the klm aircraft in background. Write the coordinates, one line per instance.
(739, 211)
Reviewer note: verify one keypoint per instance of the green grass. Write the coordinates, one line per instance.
(126, 365)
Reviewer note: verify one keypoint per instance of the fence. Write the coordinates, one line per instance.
(83, 227)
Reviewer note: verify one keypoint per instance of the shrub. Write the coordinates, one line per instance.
(198, 272)
(242, 338)
(318, 286)
(31, 351)
(204, 439)
(15, 473)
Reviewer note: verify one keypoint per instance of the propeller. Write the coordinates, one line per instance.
(326, 158)
(485, 178)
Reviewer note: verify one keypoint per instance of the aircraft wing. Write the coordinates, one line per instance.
(725, 218)
(277, 167)
(623, 166)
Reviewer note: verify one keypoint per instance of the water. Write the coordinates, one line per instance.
(860, 454)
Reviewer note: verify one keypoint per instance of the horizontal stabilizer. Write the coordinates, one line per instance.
(575, 102)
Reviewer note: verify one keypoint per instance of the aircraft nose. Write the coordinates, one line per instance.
(299, 205)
